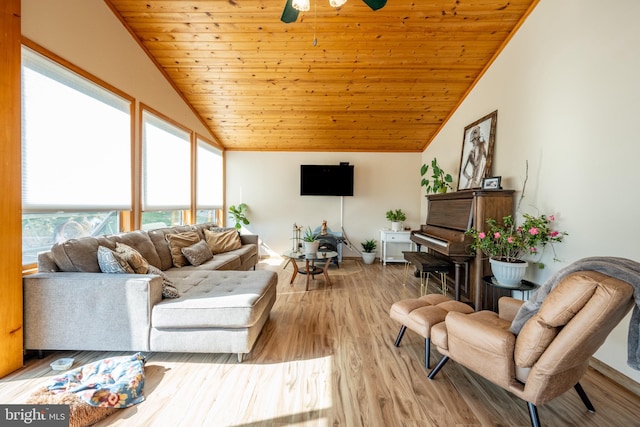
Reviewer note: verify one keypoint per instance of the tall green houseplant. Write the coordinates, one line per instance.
(239, 215)
(440, 181)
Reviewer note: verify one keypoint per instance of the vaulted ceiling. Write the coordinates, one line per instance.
(346, 79)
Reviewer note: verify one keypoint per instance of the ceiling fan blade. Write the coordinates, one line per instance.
(289, 14)
(375, 4)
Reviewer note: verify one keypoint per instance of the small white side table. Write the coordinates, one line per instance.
(388, 236)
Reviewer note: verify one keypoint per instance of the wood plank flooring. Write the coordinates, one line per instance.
(326, 358)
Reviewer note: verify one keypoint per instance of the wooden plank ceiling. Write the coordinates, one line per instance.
(382, 81)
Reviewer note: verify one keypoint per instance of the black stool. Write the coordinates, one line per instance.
(426, 264)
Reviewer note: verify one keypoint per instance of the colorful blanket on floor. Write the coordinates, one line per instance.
(115, 382)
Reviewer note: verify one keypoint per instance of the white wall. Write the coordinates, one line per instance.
(87, 34)
(269, 183)
(566, 90)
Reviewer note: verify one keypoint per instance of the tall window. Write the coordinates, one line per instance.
(208, 182)
(166, 172)
(76, 155)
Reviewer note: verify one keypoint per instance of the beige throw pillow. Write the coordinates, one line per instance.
(133, 257)
(224, 241)
(177, 242)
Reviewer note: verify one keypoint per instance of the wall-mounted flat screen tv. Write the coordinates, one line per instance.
(326, 180)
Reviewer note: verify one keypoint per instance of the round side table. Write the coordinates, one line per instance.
(494, 290)
(310, 268)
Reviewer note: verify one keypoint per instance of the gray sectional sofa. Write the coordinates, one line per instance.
(221, 307)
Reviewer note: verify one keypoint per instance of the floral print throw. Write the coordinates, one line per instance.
(115, 382)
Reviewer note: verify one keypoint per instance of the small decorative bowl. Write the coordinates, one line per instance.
(62, 364)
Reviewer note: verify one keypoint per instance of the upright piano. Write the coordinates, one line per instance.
(449, 216)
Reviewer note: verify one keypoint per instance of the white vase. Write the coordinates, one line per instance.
(311, 248)
(368, 257)
(396, 225)
(508, 273)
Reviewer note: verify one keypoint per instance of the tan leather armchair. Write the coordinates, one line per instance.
(551, 353)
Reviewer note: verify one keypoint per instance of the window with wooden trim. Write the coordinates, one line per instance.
(76, 155)
(209, 182)
(166, 172)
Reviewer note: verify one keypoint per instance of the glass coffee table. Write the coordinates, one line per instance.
(310, 268)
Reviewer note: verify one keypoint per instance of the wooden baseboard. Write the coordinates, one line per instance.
(615, 376)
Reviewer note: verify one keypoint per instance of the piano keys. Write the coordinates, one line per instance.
(449, 216)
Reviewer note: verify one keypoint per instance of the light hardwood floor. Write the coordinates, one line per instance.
(326, 358)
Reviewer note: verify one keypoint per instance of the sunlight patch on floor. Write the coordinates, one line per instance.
(304, 383)
(272, 260)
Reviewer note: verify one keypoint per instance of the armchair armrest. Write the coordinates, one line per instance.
(508, 307)
(482, 342)
(249, 238)
(89, 311)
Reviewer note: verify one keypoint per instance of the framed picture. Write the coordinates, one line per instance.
(491, 183)
(477, 151)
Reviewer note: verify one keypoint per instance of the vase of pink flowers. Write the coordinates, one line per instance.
(507, 243)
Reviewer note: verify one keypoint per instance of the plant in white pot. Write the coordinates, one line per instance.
(310, 243)
(506, 244)
(396, 217)
(368, 251)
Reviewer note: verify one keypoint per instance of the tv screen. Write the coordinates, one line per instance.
(326, 180)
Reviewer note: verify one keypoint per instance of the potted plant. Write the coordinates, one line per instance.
(439, 182)
(368, 248)
(396, 217)
(239, 215)
(506, 244)
(310, 243)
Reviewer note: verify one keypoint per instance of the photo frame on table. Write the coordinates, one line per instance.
(477, 151)
(491, 183)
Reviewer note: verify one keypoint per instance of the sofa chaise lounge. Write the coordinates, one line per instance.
(71, 304)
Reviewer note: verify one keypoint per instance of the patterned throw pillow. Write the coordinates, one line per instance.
(133, 257)
(111, 262)
(198, 253)
(168, 289)
(177, 241)
(223, 241)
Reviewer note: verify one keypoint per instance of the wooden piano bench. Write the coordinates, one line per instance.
(421, 314)
(426, 264)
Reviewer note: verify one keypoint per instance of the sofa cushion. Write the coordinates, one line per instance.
(137, 262)
(77, 255)
(560, 306)
(232, 299)
(177, 242)
(222, 241)
(112, 262)
(197, 253)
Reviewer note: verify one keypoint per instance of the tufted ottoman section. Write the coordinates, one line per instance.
(218, 311)
(422, 314)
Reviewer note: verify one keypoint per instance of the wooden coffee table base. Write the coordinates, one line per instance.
(311, 270)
